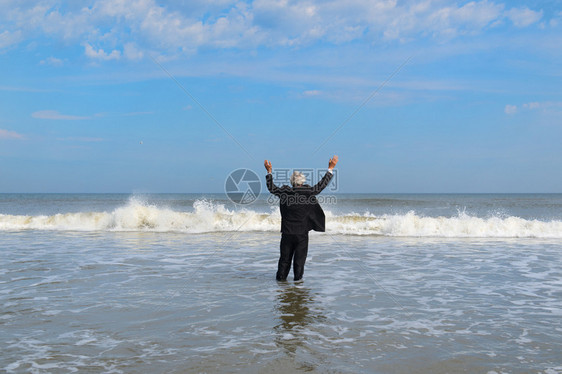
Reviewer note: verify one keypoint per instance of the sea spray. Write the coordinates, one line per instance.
(209, 216)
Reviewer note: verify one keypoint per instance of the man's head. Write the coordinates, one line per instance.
(297, 179)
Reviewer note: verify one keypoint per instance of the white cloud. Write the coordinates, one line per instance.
(523, 17)
(112, 29)
(7, 134)
(132, 52)
(52, 61)
(53, 114)
(132, 114)
(532, 106)
(70, 25)
(312, 93)
(441, 19)
(100, 54)
(542, 105)
(510, 109)
(470, 18)
(8, 38)
(535, 105)
(81, 139)
(24, 89)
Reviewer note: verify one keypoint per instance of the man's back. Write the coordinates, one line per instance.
(300, 211)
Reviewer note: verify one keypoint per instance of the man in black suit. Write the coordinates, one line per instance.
(300, 213)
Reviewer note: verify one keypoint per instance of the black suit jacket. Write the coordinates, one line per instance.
(300, 211)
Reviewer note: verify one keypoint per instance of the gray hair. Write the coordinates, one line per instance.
(298, 178)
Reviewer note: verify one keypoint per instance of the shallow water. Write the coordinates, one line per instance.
(126, 302)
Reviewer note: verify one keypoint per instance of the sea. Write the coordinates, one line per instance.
(185, 283)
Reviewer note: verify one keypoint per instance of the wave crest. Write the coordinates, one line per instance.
(211, 217)
(461, 226)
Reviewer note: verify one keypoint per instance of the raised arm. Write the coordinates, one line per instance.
(318, 187)
(269, 179)
(332, 163)
(267, 165)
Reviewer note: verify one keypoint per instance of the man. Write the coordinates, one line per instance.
(300, 213)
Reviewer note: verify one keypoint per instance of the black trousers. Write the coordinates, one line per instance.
(294, 247)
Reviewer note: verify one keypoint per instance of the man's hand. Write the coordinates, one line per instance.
(267, 165)
(332, 163)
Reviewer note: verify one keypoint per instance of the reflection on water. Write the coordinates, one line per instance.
(297, 311)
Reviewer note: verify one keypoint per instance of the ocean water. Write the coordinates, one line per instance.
(184, 283)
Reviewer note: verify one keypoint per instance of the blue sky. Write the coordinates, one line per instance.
(86, 105)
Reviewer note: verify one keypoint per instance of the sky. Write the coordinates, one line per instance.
(147, 96)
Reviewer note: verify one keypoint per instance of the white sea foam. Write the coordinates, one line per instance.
(211, 217)
(462, 225)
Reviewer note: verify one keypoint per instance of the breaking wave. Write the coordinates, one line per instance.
(211, 217)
